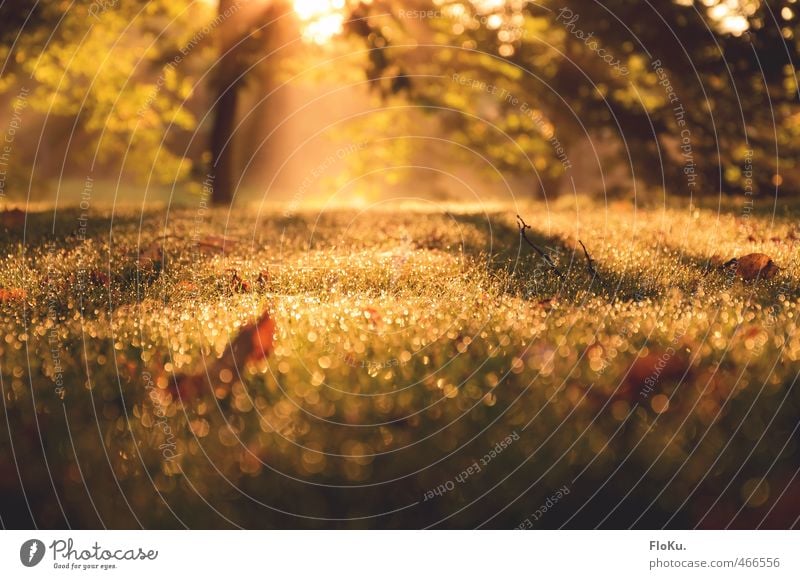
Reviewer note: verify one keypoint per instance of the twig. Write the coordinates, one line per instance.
(524, 226)
(590, 263)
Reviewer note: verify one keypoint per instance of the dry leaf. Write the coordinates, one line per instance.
(263, 337)
(373, 316)
(11, 295)
(216, 243)
(263, 279)
(151, 257)
(237, 284)
(756, 266)
(548, 304)
(99, 278)
(188, 388)
(254, 342)
(13, 219)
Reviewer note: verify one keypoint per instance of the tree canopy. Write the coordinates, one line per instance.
(681, 95)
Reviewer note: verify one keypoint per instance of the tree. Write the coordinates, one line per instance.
(236, 31)
(228, 79)
(112, 69)
(689, 93)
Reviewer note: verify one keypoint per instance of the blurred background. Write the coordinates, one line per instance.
(351, 101)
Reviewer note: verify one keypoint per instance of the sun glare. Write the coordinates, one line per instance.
(321, 20)
(731, 16)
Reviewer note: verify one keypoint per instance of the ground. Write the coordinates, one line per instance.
(422, 365)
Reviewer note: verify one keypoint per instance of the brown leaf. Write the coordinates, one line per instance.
(263, 337)
(186, 286)
(756, 266)
(666, 365)
(646, 377)
(254, 342)
(188, 388)
(216, 243)
(237, 284)
(548, 304)
(11, 295)
(263, 279)
(99, 278)
(151, 256)
(373, 316)
(13, 219)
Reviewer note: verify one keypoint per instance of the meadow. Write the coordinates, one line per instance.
(403, 365)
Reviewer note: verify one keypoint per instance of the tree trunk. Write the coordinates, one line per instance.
(223, 159)
(223, 170)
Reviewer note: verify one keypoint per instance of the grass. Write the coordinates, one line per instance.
(428, 369)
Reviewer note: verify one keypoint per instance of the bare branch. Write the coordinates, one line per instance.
(522, 228)
(590, 263)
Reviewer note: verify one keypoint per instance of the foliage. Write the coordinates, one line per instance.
(110, 67)
(648, 80)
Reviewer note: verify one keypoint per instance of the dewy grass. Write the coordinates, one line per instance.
(407, 344)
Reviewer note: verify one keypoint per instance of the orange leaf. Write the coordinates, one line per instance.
(263, 337)
(263, 280)
(11, 295)
(756, 266)
(186, 286)
(237, 284)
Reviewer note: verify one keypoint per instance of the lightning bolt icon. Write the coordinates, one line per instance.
(34, 548)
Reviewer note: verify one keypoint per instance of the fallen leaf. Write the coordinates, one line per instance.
(186, 286)
(237, 284)
(263, 279)
(755, 266)
(254, 342)
(263, 337)
(646, 378)
(151, 257)
(98, 278)
(373, 316)
(13, 219)
(548, 304)
(188, 388)
(216, 243)
(11, 294)
(667, 365)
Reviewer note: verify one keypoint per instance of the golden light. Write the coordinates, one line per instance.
(321, 20)
(731, 16)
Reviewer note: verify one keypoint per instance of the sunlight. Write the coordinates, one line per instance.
(321, 19)
(732, 15)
